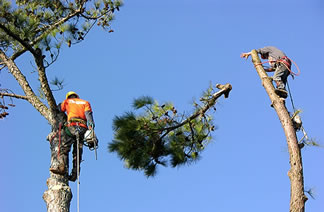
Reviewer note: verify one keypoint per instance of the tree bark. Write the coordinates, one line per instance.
(59, 195)
(297, 195)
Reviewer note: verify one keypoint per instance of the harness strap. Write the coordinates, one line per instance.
(79, 120)
(75, 121)
(285, 60)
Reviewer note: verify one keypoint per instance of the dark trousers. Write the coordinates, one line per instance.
(280, 75)
(77, 132)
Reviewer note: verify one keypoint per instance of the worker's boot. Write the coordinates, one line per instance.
(281, 93)
(73, 176)
(280, 90)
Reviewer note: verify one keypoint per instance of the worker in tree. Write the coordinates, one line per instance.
(79, 117)
(279, 63)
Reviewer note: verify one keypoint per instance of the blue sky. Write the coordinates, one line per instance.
(172, 50)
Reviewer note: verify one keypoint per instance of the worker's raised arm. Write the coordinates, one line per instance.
(89, 117)
(245, 55)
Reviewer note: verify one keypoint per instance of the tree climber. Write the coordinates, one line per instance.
(79, 119)
(279, 63)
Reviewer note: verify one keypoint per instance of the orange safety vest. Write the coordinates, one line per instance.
(75, 109)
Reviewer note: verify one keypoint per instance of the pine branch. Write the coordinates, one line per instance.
(40, 66)
(154, 137)
(25, 44)
(225, 89)
(47, 29)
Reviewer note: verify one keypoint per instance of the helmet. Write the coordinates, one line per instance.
(71, 93)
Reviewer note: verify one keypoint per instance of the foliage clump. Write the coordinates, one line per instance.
(159, 135)
(47, 24)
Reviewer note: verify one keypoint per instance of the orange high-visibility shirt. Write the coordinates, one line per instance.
(75, 108)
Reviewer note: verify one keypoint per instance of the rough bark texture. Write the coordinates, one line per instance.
(43, 80)
(297, 196)
(59, 195)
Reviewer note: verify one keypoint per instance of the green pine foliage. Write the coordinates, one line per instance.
(156, 134)
(42, 27)
(47, 24)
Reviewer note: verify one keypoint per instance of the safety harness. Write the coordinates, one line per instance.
(75, 121)
(286, 62)
(90, 139)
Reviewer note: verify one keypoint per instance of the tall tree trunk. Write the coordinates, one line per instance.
(297, 196)
(59, 195)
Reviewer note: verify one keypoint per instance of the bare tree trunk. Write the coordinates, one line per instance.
(297, 196)
(59, 195)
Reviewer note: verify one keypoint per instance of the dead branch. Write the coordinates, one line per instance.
(13, 96)
(22, 81)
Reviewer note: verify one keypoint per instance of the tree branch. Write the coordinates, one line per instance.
(43, 80)
(47, 29)
(13, 95)
(2, 66)
(40, 66)
(21, 79)
(25, 44)
(39, 58)
(225, 89)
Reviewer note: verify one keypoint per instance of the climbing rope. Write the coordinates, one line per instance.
(290, 95)
(291, 98)
(78, 168)
(295, 113)
(280, 61)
